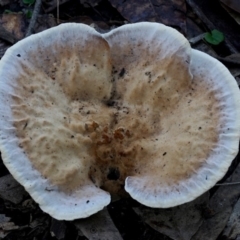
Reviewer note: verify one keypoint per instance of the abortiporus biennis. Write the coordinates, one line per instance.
(134, 111)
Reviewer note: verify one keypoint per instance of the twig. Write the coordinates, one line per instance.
(228, 61)
(150, 2)
(95, 10)
(224, 60)
(57, 11)
(196, 39)
(204, 18)
(227, 184)
(36, 10)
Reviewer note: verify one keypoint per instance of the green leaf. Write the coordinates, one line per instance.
(28, 13)
(214, 37)
(29, 2)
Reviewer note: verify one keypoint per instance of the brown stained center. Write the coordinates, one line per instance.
(114, 158)
(106, 144)
(169, 149)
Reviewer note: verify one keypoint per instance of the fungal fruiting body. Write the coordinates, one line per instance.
(135, 110)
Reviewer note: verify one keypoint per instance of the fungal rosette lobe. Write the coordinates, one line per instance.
(136, 110)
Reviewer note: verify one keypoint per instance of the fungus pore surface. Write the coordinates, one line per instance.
(135, 104)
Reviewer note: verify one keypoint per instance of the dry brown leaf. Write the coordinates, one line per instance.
(12, 27)
(238, 237)
(178, 223)
(4, 2)
(232, 230)
(193, 29)
(234, 58)
(49, 5)
(58, 229)
(213, 226)
(219, 209)
(44, 22)
(98, 226)
(234, 68)
(11, 190)
(233, 4)
(171, 13)
(235, 15)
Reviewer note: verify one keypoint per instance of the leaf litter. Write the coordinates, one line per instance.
(212, 216)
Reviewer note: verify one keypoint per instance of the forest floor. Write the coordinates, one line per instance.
(215, 214)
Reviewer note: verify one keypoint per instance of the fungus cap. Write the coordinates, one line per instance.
(83, 114)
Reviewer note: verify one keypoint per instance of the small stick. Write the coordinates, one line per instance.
(227, 184)
(196, 39)
(229, 61)
(57, 11)
(36, 10)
